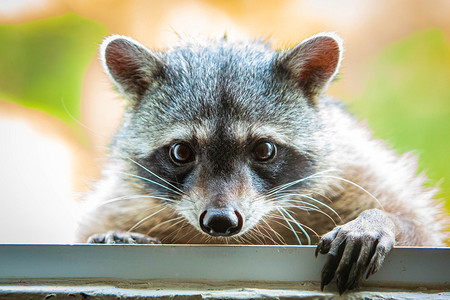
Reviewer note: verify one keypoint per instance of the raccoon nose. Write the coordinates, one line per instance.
(219, 222)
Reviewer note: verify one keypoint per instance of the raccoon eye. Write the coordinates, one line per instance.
(181, 153)
(264, 150)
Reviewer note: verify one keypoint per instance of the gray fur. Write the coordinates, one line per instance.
(221, 97)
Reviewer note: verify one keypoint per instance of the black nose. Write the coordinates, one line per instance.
(219, 222)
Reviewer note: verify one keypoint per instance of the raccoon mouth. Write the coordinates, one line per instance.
(220, 222)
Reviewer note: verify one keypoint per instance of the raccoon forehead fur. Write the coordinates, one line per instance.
(198, 88)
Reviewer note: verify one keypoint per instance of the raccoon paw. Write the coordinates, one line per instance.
(363, 242)
(121, 237)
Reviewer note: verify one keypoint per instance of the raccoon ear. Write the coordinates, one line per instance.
(131, 66)
(314, 63)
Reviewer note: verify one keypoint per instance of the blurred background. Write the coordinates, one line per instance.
(58, 109)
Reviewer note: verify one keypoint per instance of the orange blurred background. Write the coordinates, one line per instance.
(47, 166)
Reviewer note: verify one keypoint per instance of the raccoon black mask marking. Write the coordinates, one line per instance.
(227, 142)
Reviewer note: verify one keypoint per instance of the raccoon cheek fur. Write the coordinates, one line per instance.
(212, 116)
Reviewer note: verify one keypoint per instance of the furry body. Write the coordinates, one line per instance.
(222, 100)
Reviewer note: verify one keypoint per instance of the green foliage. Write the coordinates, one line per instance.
(42, 63)
(407, 102)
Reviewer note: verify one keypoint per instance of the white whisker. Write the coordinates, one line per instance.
(282, 224)
(320, 202)
(279, 236)
(162, 179)
(123, 198)
(290, 226)
(356, 185)
(145, 219)
(292, 183)
(298, 225)
(253, 234)
(180, 220)
(266, 234)
(151, 181)
(307, 208)
(292, 200)
(163, 223)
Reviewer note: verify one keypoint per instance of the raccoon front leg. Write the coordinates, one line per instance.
(364, 242)
(122, 237)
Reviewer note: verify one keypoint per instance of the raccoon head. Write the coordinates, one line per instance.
(217, 129)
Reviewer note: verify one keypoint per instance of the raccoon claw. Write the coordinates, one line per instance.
(121, 237)
(323, 247)
(363, 242)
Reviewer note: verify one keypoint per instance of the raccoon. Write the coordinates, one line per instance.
(234, 142)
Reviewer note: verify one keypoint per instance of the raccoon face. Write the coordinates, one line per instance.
(222, 184)
(221, 129)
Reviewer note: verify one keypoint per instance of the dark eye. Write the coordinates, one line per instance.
(264, 150)
(181, 153)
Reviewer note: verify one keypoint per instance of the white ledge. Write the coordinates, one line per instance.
(255, 271)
